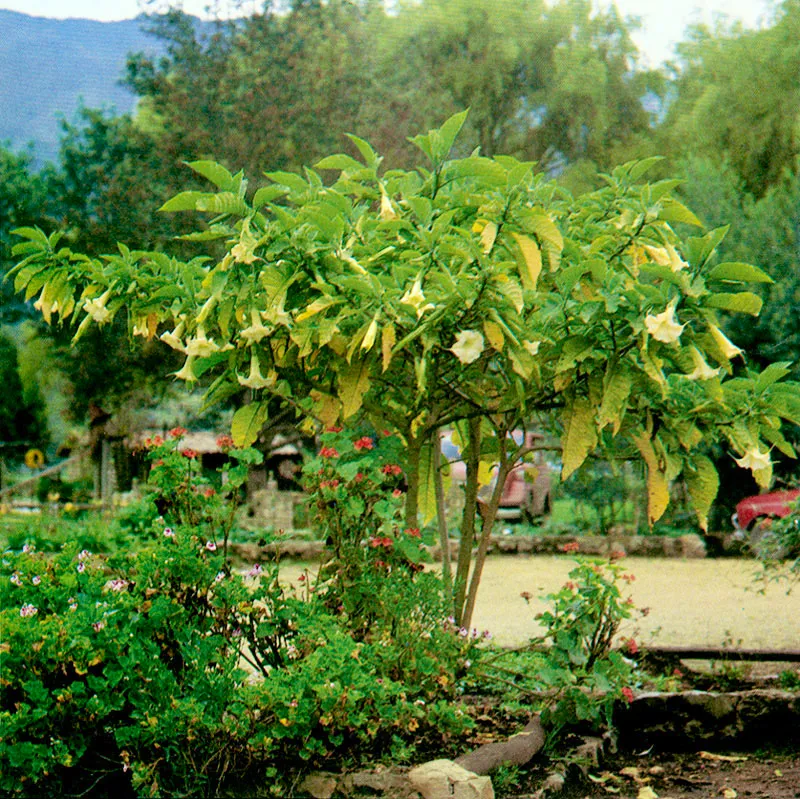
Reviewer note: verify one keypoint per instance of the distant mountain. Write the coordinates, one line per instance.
(49, 67)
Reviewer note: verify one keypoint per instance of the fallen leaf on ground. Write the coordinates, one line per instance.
(646, 792)
(729, 793)
(724, 758)
(631, 771)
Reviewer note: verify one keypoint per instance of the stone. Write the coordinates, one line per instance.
(321, 785)
(444, 779)
(692, 546)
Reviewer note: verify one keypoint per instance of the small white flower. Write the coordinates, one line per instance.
(97, 308)
(532, 346)
(416, 298)
(755, 460)
(702, 371)
(36, 580)
(211, 546)
(664, 326)
(255, 571)
(256, 331)
(255, 379)
(175, 338)
(220, 577)
(468, 346)
(727, 347)
(28, 610)
(169, 533)
(84, 554)
(187, 370)
(200, 346)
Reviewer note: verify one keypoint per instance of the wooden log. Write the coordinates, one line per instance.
(516, 751)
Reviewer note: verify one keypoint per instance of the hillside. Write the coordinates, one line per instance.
(48, 67)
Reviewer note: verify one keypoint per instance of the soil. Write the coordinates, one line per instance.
(695, 775)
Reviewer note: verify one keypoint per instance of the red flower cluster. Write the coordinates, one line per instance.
(333, 429)
(189, 453)
(208, 492)
(176, 432)
(155, 441)
(375, 542)
(627, 694)
(631, 646)
(629, 578)
(328, 452)
(616, 554)
(329, 483)
(413, 532)
(570, 585)
(359, 477)
(391, 468)
(224, 442)
(572, 546)
(365, 442)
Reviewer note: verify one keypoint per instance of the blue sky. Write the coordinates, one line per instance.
(664, 21)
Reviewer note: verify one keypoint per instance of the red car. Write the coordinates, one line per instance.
(775, 504)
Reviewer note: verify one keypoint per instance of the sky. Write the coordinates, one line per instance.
(664, 21)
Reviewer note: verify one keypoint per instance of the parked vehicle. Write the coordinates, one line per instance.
(526, 493)
(776, 504)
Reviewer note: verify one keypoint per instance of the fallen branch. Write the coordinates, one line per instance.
(516, 751)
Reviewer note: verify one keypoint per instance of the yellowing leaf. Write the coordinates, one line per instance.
(530, 265)
(326, 407)
(488, 235)
(495, 335)
(315, 307)
(657, 485)
(388, 339)
(616, 390)
(353, 384)
(369, 336)
(580, 435)
(427, 485)
(485, 471)
(646, 792)
(247, 423)
(703, 484)
(722, 758)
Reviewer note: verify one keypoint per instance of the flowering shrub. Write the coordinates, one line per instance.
(356, 503)
(587, 673)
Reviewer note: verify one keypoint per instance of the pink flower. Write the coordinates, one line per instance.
(211, 546)
(81, 568)
(157, 441)
(15, 579)
(397, 493)
(98, 625)
(176, 432)
(328, 452)
(117, 585)
(631, 646)
(391, 468)
(224, 442)
(189, 453)
(572, 546)
(27, 548)
(220, 577)
(83, 554)
(28, 610)
(413, 532)
(169, 532)
(365, 442)
(627, 694)
(36, 580)
(255, 571)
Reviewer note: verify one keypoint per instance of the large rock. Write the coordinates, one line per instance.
(444, 779)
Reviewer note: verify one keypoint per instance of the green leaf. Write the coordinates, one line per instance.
(266, 194)
(371, 158)
(638, 168)
(185, 201)
(247, 423)
(427, 484)
(342, 162)
(739, 273)
(673, 211)
(447, 134)
(702, 481)
(772, 374)
(743, 302)
(530, 262)
(214, 172)
(225, 202)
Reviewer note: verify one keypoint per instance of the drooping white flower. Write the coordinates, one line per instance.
(666, 256)
(532, 346)
(416, 298)
(97, 308)
(726, 346)
(200, 346)
(755, 460)
(244, 251)
(255, 378)
(175, 338)
(664, 326)
(187, 370)
(256, 331)
(702, 371)
(468, 347)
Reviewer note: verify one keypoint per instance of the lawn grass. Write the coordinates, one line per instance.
(692, 602)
